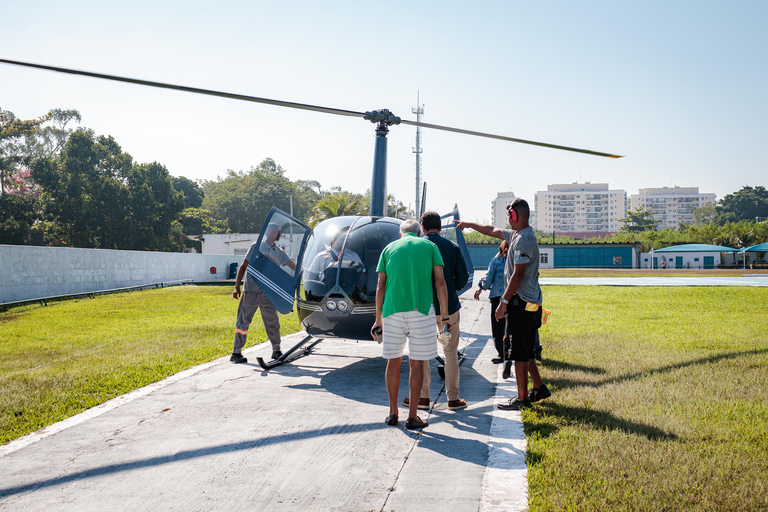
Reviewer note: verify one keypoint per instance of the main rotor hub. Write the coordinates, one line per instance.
(384, 117)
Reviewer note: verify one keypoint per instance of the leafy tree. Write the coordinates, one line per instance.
(17, 215)
(245, 198)
(97, 197)
(337, 204)
(50, 139)
(703, 215)
(193, 192)
(745, 204)
(198, 221)
(11, 131)
(154, 206)
(638, 220)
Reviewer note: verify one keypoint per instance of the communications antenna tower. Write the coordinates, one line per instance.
(419, 111)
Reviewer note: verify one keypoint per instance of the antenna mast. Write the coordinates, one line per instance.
(419, 111)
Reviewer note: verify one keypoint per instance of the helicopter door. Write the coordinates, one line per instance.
(449, 231)
(276, 265)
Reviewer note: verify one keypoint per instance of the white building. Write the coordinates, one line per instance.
(236, 244)
(671, 206)
(499, 208)
(580, 209)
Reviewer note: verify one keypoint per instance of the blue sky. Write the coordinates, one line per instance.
(678, 87)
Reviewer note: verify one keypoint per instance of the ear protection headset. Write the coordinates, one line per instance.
(512, 214)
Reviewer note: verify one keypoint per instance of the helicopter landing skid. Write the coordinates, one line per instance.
(441, 363)
(291, 354)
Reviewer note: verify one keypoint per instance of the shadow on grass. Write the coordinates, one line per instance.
(571, 383)
(553, 364)
(598, 420)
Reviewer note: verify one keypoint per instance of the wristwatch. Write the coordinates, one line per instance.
(505, 301)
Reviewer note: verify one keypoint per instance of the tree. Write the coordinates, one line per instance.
(11, 131)
(199, 221)
(337, 204)
(638, 220)
(245, 198)
(48, 140)
(17, 215)
(703, 215)
(193, 192)
(154, 206)
(745, 204)
(97, 197)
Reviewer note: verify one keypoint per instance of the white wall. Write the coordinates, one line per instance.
(28, 272)
(690, 259)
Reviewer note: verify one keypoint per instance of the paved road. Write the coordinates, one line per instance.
(309, 435)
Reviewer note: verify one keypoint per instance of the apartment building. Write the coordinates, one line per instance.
(670, 205)
(580, 209)
(499, 208)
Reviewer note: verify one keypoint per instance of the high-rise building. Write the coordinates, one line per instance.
(499, 208)
(670, 205)
(580, 209)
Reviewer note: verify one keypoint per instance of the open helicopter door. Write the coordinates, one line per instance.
(276, 265)
(449, 231)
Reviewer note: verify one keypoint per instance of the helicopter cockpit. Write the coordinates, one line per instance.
(340, 280)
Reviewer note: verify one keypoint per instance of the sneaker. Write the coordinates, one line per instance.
(514, 404)
(507, 370)
(456, 404)
(423, 403)
(276, 354)
(238, 358)
(496, 360)
(536, 394)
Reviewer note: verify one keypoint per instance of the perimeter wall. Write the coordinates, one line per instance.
(28, 272)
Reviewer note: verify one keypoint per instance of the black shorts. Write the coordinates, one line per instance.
(520, 333)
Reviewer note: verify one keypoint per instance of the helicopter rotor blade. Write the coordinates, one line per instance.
(195, 90)
(289, 104)
(509, 139)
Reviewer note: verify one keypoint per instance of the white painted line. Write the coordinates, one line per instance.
(505, 483)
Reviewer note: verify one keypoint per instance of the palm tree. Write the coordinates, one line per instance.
(337, 204)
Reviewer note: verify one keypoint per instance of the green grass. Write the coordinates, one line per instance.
(660, 400)
(59, 360)
(660, 395)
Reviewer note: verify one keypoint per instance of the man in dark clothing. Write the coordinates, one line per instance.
(456, 276)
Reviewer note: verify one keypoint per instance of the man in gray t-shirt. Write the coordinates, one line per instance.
(520, 304)
(253, 298)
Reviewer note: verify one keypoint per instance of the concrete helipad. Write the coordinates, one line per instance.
(309, 435)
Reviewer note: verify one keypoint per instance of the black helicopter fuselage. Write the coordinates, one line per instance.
(338, 296)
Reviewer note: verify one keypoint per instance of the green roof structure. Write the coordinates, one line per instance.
(697, 248)
(757, 248)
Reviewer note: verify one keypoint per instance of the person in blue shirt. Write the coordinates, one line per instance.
(494, 281)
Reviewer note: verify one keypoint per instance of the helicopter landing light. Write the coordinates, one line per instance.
(342, 305)
(331, 305)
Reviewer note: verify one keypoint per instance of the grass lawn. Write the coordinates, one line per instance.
(660, 400)
(59, 360)
(660, 395)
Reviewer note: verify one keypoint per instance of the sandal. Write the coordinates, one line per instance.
(391, 420)
(414, 423)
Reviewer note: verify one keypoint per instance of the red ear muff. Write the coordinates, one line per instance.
(512, 215)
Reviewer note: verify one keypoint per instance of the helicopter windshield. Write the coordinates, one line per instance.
(345, 252)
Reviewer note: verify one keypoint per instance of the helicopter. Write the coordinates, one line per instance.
(335, 294)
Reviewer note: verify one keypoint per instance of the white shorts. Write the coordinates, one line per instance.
(420, 330)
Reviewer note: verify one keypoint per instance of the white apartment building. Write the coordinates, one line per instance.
(671, 206)
(580, 209)
(499, 208)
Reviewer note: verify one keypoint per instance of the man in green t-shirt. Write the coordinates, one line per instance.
(404, 310)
